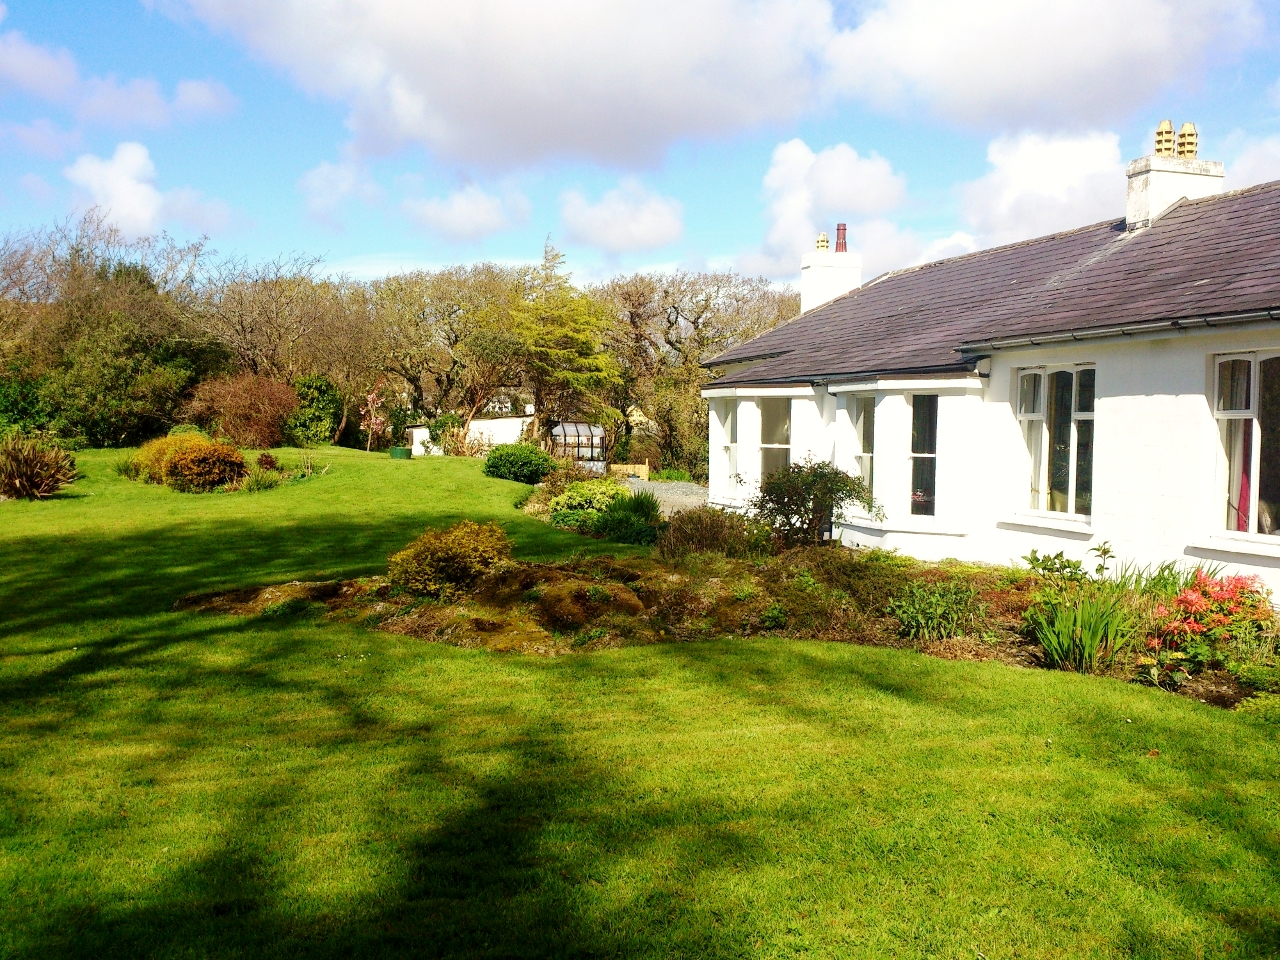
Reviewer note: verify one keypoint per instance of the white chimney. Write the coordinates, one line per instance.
(826, 274)
(1159, 181)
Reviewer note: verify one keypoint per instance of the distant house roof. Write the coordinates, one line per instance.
(1204, 259)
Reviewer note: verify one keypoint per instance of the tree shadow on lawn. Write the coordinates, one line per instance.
(54, 580)
(494, 877)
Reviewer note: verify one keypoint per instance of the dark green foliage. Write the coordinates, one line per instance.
(31, 469)
(774, 617)
(712, 530)
(398, 419)
(936, 611)
(521, 462)
(318, 414)
(800, 502)
(116, 388)
(22, 405)
(630, 519)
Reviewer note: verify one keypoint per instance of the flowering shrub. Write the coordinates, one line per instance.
(1214, 618)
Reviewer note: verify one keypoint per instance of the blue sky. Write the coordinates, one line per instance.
(390, 134)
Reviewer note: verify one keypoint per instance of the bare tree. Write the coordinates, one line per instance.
(263, 313)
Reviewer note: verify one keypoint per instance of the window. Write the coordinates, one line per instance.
(1248, 411)
(924, 453)
(729, 421)
(775, 435)
(1055, 410)
(862, 411)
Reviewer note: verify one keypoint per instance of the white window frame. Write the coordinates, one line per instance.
(1040, 483)
(1252, 415)
(729, 424)
(865, 456)
(790, 402)
(937, 413)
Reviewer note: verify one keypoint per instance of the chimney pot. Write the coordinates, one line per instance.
(1164, 139)
(841, 245)
(1188, 141)
(822, 242)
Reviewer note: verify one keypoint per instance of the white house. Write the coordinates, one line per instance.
(1119, 382)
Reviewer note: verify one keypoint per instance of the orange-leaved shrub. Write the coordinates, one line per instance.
(31, 469)
(248, 410)
(441, 562)
(187, 462)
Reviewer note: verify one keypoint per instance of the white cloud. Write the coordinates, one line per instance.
(1032, 62)
(507, 82)
(44, 138)
(808, 191)
(625, 220)
(196, 98)
(504, 81)
(469, 213)
(326, 186)
(124, 186)
(1258, 162)
(54, 77)
(1042, 184)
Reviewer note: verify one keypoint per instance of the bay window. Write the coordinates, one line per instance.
(862, 410)
(775, 435)
(729, 423)
(924, 453)
(1247, 408)
(1055, 411)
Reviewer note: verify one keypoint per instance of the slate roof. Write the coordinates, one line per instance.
(1204, 258)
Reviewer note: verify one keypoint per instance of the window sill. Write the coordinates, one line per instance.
(924, 525)
(1245, 544)
(1065, 522)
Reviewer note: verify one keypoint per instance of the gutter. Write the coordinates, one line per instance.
(1127, 330)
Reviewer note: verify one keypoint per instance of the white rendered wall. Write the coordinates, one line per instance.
(1158, 485)
(825, 275)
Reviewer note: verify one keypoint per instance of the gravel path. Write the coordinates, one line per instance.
(674, 495)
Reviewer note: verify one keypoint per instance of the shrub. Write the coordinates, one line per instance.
(588, 495)
(248, 410)
(258, 479)
(800, 503)
(203, 466)
(671, 474)
(565, 473)
(936, 611)
(712, 530)
(521, 462)
(631, 519)
(189, 462)
(440, 562)
(443, 424)
(583, 521)
(1232, 615)
(31, 469)
(1082, 627)
(318, 413)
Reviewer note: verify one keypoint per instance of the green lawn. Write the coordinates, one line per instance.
(183, 785)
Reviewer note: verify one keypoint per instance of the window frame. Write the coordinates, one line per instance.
(760, 402)
(914, 456)
(1252, 415)
(729, 426)
(865, 454)
(1039, 471)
